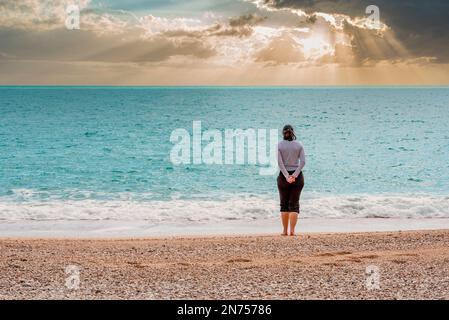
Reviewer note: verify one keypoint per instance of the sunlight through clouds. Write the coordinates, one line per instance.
(266, 34)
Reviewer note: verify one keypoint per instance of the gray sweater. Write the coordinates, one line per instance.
(291, 157)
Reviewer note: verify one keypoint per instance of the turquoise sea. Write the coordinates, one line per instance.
(81, 153)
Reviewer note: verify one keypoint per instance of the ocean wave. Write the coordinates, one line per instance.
(229, 208)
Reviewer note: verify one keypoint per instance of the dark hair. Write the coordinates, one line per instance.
(288, 133)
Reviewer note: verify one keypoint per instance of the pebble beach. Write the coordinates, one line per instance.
(386, 265)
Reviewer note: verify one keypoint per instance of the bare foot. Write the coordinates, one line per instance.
(292, 234)
(284, 234)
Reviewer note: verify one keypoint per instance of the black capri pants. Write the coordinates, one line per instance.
(290, 193)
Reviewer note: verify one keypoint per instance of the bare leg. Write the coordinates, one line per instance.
(284, 218)
(293, 220)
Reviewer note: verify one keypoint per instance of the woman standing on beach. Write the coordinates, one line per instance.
(291, 160)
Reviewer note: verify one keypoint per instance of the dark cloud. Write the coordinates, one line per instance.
(421, 26)
(246, 20)
(218, 30)
(236, 27)
(243, 31)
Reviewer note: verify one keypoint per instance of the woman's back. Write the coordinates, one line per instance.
(290, 151)
(291, 159)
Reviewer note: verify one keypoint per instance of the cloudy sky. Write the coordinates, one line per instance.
(225, 42)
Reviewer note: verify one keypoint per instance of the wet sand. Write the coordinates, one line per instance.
(410, 265)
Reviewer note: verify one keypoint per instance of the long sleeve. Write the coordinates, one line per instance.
(302, 162)
(282, 165)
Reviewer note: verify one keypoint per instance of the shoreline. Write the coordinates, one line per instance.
(410, 265)
(116, 229)
(212, 236)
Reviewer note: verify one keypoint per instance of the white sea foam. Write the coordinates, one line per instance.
(229, 208)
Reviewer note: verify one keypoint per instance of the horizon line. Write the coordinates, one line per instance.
(227, 86)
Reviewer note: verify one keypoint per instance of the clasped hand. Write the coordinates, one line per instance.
(291, 179)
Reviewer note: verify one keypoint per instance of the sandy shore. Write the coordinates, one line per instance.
(412, 265)
(116, 229)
